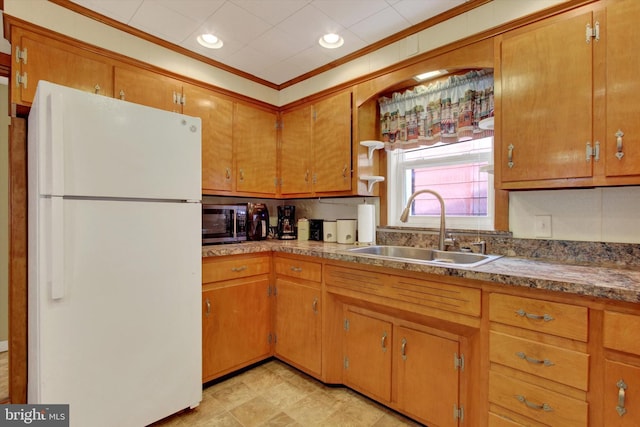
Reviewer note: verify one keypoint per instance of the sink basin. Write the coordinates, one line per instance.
(423, 255)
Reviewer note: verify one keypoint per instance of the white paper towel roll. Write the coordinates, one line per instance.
(366, 223)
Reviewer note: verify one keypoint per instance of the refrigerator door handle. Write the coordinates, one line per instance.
(55, 126)
(56, 229)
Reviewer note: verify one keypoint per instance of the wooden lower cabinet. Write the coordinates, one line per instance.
(621, 394)
(367, 354)
(236, 314)
(426, 376)
(414, 371)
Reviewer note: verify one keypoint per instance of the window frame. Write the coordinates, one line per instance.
(399, 190)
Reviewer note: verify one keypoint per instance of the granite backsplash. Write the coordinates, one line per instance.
(605, 254)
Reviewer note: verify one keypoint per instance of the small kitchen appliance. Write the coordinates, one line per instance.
(224, 223)
(286, 222)
(257, 221)
(315, 229)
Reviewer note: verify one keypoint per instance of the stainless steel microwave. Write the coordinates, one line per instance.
(224, 223)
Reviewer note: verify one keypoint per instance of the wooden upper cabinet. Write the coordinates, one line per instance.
(36, 57)
(216, 114)
(332, 144)
(546, 102)
(148, 88)
(568, 106)
(620, 44)
(254, 137)
(296, 156)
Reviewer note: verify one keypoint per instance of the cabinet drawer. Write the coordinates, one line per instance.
(621, 332)
(547, 361)
(305, 270)
(216, 269)
(553, 318)
(458, 299)
(535, 402)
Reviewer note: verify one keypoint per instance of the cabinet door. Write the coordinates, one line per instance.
(217, 146)
(622, 87)
(426, 376)
(58, 63)
(332, 144)
(235, 326)
(368, 355)
(295, 152)
(546, 102)
(254, 136)
(298, 321)
(147, 88)
(621, 395)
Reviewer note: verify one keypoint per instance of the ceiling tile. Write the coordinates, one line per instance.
(121, 11)
(155, 18)
(197, 10)
(416, 11)
(233, 22)
(379, 26)
(274, 11)
(348, 12)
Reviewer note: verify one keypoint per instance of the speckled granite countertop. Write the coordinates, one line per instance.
(604, 282)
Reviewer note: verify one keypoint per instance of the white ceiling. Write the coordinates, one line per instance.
(275, 40)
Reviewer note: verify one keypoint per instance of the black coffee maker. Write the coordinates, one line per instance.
(286, 222)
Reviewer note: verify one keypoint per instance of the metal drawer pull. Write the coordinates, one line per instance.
(383, 342)
(545, 317)
(296, 269)
(239, 269)
(619, 153)
(510, 155)
(314, 306)
(622, 386)
(545, 362)
(544, 407)
(208, 303)
(403, 349)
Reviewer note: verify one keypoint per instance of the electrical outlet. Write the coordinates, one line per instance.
(543, 226)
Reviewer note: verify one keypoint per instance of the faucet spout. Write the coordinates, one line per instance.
(405, 213)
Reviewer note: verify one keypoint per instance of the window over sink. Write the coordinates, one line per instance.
(462, 173)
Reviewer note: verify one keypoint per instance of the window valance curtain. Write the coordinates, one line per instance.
(444, 111)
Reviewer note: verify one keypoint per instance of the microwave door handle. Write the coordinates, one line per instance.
(234, 219)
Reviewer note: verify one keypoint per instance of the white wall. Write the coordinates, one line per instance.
(599, 215)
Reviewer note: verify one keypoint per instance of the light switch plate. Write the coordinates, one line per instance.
(542, 226)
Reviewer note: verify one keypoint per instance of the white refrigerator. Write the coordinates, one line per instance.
(114, 258)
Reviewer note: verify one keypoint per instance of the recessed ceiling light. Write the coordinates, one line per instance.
(210, 41)
(331, 41)
(429, 75)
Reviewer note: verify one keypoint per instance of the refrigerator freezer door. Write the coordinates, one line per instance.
(121, 341)
(95, 146)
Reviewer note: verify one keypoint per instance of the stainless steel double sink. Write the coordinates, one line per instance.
(423, 255)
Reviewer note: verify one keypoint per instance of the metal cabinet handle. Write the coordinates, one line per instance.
(383, 341)
(619, 152)
(344, 171)
(622, 386)
(296, 269)
(239, 269)
(96, 89)
(314, 306)
(510, 155)
(208, 304)
(403, 349)
(121, 94)
(306, 176)
(227, 173)
(545, 317)
(542, 407)
(545, 362)
(241, 175)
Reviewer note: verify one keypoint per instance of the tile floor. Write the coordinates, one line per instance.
(275, 394)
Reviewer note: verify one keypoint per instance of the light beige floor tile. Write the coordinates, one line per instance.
(254, 412)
